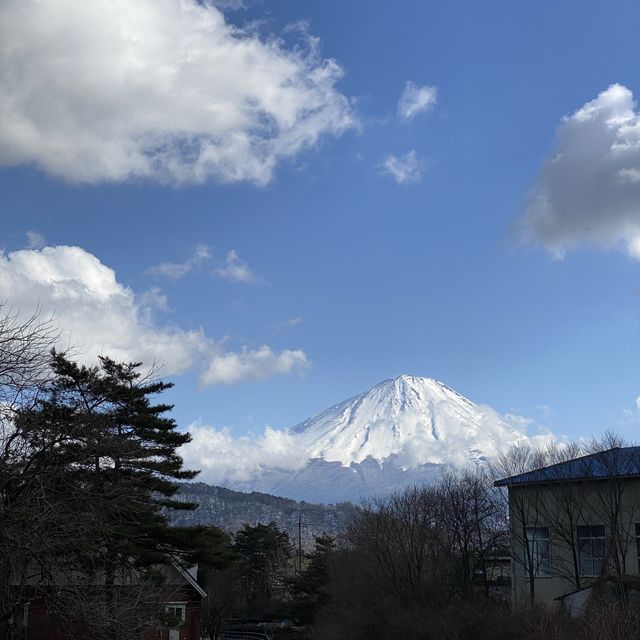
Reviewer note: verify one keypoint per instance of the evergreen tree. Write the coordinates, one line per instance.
(309, 589)
(107, 464)
(263, 552)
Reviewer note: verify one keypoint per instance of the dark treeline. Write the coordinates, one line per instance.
(420, 565)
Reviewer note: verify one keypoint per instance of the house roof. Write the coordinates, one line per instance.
(189, 578)
(619, 462)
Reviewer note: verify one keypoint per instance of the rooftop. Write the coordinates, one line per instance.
(619, 462)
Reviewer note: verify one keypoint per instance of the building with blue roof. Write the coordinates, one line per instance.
(575, 525)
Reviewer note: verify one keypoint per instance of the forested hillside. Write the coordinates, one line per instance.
(231, 509)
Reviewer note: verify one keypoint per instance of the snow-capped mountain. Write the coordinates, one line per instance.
(400, 432)
(415, 420)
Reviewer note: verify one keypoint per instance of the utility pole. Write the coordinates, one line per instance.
(300, 525)
(299, 542)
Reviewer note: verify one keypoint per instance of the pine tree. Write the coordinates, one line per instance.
(106, 458)
(263, 552)
(309, 589)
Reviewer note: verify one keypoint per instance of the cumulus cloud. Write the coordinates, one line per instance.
(99, 315)
(415, 100)
(404, 169)
(588, 191)
(222, 457)
(177, 270)
(236, 270)
(253, 364)
(111, 90)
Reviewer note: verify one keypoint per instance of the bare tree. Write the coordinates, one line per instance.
(472, 514)
(430, 544)
(563, 505)
(24, 359)
(523, 510)
(615, 503)
(25, 344)
(403, 538)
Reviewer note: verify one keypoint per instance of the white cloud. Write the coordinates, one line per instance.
(99, 315)
(112, 90)
(545, 410)
(35, 240)
(415, 100)
(588, 191)
(153, 299)
(176, 270)
(233, 268)
(232, 5)
(253, 364)
(638, 403)
(517, 421)
(284, 325)
(236, 270)
(240, 461)
(404, 169)
(222, 458)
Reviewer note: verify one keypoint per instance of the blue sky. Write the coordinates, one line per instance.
(302, 271)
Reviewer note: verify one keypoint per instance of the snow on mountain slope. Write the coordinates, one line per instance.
(401, 432)
(409, 420)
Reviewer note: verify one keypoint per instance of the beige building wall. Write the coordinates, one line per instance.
(561, 507)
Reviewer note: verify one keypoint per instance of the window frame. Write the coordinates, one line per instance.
(176, 606)
(539, 545)
(590, 540)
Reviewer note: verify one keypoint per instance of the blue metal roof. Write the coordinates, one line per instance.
(619, 462)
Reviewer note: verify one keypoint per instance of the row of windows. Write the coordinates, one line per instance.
(591, 549)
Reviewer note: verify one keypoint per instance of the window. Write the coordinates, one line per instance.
(591, 549)
(638, 545)
(537, 551)
(176, 612)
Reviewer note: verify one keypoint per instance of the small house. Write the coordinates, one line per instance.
(176, 600)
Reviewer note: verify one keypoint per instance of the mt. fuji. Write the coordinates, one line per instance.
(400, 432)
(415, 420)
